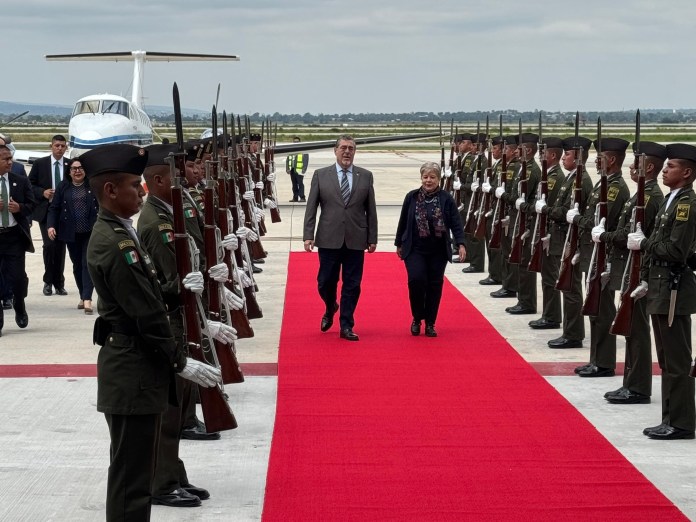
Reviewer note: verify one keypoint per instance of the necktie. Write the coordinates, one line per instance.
(345, 187)
(5, 214)
(56, 174)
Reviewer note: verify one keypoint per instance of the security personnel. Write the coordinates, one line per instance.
(573, 320)
(509, 272)
(602, 343)
(551, 259)
(296, 166)
(139, 355)
(671, 291)
(495, 257)
(637, 381)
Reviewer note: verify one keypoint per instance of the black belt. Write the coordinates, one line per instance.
(659, 262)
(123, 329)
(5, 230)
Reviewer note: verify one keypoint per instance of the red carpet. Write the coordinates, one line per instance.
(405, 428)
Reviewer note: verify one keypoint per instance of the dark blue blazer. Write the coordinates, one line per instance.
(406, 229)
(61, 212)
(20, 191)
(41, 178)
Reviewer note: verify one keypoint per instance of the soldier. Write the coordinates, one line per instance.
(637, 381)
(475, 249)
(551, 262)
(671, 292)
(573, 320)
(139, 355)
(602, 343)
(509, 273)
(495, 258)
(467, 150)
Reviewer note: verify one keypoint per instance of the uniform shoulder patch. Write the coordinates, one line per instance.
(551, 183)
(647, 198)
(165, 226)
(126, 243)
(131, 256)
(683, 212)
(612, 193)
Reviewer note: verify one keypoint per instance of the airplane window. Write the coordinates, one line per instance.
(115, 107)
(86, 107)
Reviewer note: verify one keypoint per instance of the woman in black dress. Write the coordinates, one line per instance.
(428, 216)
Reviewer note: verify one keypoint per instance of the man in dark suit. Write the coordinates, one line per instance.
(45, 175)
(347, 227)
(16, 205)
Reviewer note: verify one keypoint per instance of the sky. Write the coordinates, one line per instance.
(332, 57)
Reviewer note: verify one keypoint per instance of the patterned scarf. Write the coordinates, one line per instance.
(423, 200)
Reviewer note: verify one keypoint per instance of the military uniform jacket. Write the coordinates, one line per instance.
(533, 175)
(513, 167)
(193, 215)
(672, 240)
(465, 178)
(135, 369)
(618, 238)
(554, 182)
(617, 195)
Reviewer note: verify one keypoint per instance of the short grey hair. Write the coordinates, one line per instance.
(344, 137)
(431, 166)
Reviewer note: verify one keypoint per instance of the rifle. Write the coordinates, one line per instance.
(216, 411)
(457, 171)
(251, 222)
(571, 245)
(631, 276)
(541, 223)
(485, 204)
(270, 185)
(238, 318)
(521, 217)
(497, 229)
(598, 262)
(446, 181)
(470, 222)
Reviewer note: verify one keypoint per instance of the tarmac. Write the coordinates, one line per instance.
(55, 445)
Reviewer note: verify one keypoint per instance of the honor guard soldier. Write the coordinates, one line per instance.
(637, 380)
(602, 343)
(551, 315)
(139, 355)
(495, 257)
(468, 151)
(671, 291)
(475, 249)
(573, 320)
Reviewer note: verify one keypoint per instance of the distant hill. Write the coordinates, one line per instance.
(10, 109)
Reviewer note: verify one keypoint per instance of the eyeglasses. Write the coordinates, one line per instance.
(75, 169)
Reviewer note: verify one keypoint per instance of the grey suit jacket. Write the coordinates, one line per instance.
(354, 224)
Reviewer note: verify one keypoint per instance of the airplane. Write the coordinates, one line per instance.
(101, 119)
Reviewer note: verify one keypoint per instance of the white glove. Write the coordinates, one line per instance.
(486, 187)
(505, 221)
(598, 231)
(570, 215)
(248, 195)
(230, 242)
(269, 203)
(243, 233)
(635, 238)
(456, 185)
(540, 204)
(604, 276)
(474, 185)
(270, 177)
(201, 373)
(252, 236)
(259, 185)
(545, 242)
(259, 216)
(193, 282)
(499, 191)
(219, 272)
(640, 290)
(222, 332)
(234, 302)
(519, 201)
(448, 173)
(244, 278)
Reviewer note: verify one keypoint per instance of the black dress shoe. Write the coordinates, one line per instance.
(659, 427)
(201, 493)
(177, 498)
(626, 396)
(582, 368)
(255, 269)
(349, 335)
(198, 433)
(7, 304)
(327, 318)
(671, 433)
(303, 200)
(489, 281)
(519, 310)
(22, 319)
(596, 371)
(503, 293)
(543, 324)
(258, 261)
(430, 330)
(47, 290)
(472, 270)
(562, 342)
(615, 392)
(415, 327)
(293, 200)
(61, 291)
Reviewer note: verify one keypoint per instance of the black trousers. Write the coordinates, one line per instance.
(134, 441)
(297, 181)
(12, 260)
(54, 259)
(348, 265)
(78, 256)
(426, 273)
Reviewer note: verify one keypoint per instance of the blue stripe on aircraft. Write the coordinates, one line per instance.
(139, 139)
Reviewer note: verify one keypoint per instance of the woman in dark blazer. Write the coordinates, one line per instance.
(70, 218)
(428, 215)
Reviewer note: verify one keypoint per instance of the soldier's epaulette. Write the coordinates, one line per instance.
(163, 216)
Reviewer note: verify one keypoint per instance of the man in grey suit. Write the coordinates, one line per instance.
(347, 227)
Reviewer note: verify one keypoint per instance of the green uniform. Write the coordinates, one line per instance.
(495, 257)
(638, 368)
(673, 239)
(602, 343)
(136, 362)
(573, 320)
(510, 272)
(475, 249)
